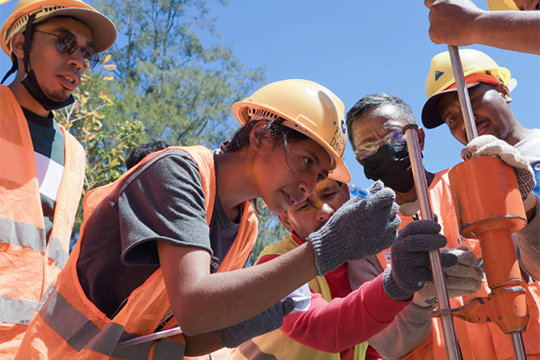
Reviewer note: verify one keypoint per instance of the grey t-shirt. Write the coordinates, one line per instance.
(162, 200)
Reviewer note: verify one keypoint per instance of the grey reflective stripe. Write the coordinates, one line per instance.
(252, 351)
(16, 311)
(56, 253)
(168, 349)
(77, 330)
(22, 234)
(165, 349)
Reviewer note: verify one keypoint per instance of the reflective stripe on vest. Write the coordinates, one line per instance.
(276, 345)
(28, 263)
(89, 333)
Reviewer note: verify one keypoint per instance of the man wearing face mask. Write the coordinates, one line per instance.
(51, 44)
(374, 125)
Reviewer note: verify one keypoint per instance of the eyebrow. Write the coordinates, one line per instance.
(63, 29)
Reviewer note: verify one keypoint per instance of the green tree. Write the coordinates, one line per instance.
(179, 88)
(270, 230)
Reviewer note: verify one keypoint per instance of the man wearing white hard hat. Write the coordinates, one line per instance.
(462, 23)
(51, 44)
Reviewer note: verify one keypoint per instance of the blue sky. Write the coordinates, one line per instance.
(355, 48)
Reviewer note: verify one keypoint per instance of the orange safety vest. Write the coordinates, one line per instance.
(28, 264)
(69, 326)
(479, 341)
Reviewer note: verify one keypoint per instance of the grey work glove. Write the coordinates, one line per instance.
(269, 320)
(361, 227)
(464, 278)
(489, 145)
(410, 259)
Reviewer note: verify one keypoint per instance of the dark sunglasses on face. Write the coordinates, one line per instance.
(67, 44)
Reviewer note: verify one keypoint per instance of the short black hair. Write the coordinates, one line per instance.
(140, 152)
(374, 101)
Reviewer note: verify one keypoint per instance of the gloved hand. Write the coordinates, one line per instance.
(410, 259)
(269, 320)
(489, 145)
(361, 227)
(464, 278)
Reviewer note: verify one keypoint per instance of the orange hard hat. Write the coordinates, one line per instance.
(307, 107)
(102, 29)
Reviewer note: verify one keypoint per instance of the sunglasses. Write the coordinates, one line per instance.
(368, 149)
(67, 44)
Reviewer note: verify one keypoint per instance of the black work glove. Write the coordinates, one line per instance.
(269, 320)
(361, 227)
(411, 267)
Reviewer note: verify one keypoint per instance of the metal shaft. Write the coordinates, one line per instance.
(519, 347)
(150, 337)
(453, 351)
(463, 93)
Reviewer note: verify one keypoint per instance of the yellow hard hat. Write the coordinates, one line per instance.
(103, 30)
(477, 66)
(502, 5)
(308, 108)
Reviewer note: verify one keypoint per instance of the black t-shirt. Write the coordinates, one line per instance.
(162, 200)
(48, 142)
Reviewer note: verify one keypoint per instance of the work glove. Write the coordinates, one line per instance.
(269, 320)
(464, 278)
(411, 268)
(361, 227)
(489, 145)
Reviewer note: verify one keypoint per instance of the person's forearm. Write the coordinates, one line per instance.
(204, 303)
(409, 329)
(510, 30)
(344, 322)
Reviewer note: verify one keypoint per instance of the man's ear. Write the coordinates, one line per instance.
(255, 137)
(421, 138)
(505, 92)
(285, 221)
(345, 188)
(17, 42)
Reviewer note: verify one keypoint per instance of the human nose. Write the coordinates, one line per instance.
(76, 59)
(307, 186)
(324, 212)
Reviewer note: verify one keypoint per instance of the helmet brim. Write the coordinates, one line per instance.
(102, 29)
(430, 112)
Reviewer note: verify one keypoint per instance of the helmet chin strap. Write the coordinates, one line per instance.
(29, 81)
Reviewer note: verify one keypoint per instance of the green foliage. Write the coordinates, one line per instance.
(179, 88)
(270, 230)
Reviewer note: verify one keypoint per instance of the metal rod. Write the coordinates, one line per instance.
(150, 337)
(519, 347)
(470, 128)
(453, 351)
(463, 93)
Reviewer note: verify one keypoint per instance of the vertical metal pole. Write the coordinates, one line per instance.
(452, 347)
(463, 94)
(470, 128)
(519, 347)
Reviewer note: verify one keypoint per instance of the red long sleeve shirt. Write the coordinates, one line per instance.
(351, 318)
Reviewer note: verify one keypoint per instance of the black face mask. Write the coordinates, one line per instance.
(391, 164)
(31, 84)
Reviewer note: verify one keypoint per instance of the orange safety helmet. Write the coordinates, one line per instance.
(103, 30)
(495, 5)
(477, 67)
(308, 108)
